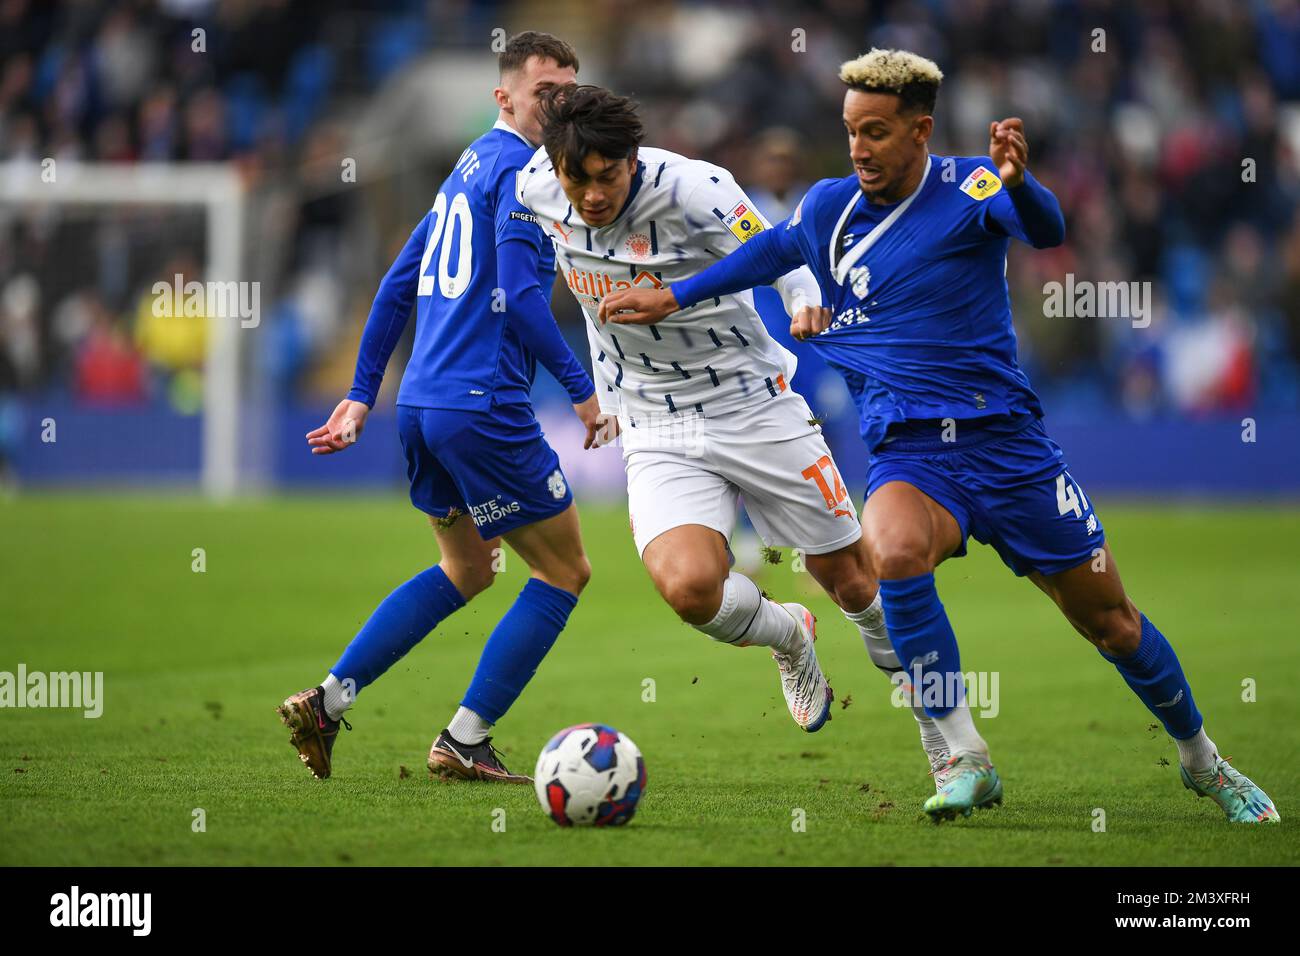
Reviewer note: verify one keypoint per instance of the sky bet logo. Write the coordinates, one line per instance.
(103, 909)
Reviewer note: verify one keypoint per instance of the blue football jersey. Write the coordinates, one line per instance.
(921, 325)
(465, 354)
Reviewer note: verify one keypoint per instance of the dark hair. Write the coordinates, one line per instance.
(919, 96)
(531, 43)
(577, 120)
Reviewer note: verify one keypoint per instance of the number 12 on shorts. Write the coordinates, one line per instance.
(834, 492)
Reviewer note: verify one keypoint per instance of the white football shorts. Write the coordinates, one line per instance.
(687, 469)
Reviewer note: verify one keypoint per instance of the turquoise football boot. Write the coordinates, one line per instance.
(972, 784)
(1234, 792)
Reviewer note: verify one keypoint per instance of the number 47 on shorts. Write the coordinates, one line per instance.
(1069, 496)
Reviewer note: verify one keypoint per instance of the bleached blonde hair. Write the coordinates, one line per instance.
(912, 77)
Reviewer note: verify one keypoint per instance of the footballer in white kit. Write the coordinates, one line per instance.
(705, 409)
(702, 400)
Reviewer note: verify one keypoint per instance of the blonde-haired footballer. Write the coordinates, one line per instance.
(910, 255)
(703, 402)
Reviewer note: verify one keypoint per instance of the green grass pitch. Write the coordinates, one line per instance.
(195, 663)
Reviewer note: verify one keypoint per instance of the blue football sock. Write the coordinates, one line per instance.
(1155, 675)
(517, 645)
(397, 625)
(924, 641)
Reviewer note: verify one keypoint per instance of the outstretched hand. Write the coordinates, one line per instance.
(597, 423)
(637, 306)
(342, 429)
(1009, 149)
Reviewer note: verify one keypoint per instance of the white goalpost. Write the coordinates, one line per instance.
(218, 189)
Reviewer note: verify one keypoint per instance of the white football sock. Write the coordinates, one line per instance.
(1197, 753)
(932, 738)
(468, 727)
(746, 617)
(337, 699)
(871, 625)
(958, 729)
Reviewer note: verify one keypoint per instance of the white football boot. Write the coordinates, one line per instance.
(807, 694)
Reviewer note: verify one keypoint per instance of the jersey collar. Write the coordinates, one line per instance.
(503, 125)
(840, 269)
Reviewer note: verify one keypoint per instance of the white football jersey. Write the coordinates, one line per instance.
(681, 216)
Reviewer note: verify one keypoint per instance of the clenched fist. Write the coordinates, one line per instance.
(809, 321)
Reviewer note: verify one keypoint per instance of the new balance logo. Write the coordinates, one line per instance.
(1170, 703)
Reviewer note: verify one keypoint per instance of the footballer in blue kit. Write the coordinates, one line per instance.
(910, 254)
(477, 273)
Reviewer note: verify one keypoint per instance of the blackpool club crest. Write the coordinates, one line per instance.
(638, 246)
(860, 280)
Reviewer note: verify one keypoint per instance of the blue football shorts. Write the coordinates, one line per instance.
(1009, 490)
(494, 466)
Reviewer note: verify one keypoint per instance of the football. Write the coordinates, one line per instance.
(590, 775)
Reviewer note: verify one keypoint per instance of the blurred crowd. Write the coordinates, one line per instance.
(1169, 129)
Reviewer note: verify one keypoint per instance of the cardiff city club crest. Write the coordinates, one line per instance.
(860, 278)
(555, 485)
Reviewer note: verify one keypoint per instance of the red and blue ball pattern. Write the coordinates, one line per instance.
(590, 775)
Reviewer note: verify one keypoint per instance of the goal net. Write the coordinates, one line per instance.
(124, 307)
